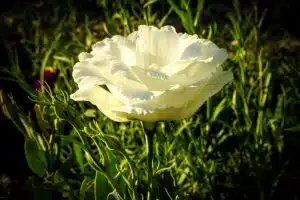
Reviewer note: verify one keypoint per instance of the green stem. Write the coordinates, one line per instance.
(149, 129)
(149, 138)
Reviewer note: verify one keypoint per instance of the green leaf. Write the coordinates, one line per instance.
(113, 143)
(84, 188)
(11, 111)
(90, 113)
(79, 156)
(102, 188)
(218, 109)
(185, 16)
(36, 158)
(67, 139)
(200, 6)
(112, 161)
(91, 161)
(122, 184)
(149, 3)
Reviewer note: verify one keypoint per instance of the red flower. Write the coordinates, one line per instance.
(50, 76)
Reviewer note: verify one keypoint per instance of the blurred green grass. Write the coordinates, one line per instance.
(242, 143)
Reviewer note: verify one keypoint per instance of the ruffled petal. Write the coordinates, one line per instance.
(117, 48)
(130, 96)
(169, 105)
(206, 90)
(105, 72)
(104, 100)
(191, 47)
(156, 46)
(126, 49)
(175, 98)
(150, 115)
(194, 61)
(132, 37)
(154, 80)
(183, 73)
(191, 71)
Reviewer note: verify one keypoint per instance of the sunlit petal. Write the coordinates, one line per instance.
(211, 87)
(105, 72)
(104, 101)
(150, 115)
(156, 46)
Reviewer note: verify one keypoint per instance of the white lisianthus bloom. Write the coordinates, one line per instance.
(151, 75)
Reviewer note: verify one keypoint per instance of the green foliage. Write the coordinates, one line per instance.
(185, 14)
(101, 187)
(240, 135)
(36, 158)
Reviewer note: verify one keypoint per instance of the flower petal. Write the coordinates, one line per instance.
(175, 97)
(117, 47)
(206, 90)
(156, 46)
(91, 73)
(104, 100)
(132, 37)
(201, 64)
(194, 71)
(194, 47)
(126, 49)
(183, 73)
(153, 79)
(150, 115)
(169, 107)
(130, 96)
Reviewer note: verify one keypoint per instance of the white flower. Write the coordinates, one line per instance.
(152, 74)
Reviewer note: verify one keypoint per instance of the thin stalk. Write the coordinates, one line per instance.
(149, 140)
(149, 129)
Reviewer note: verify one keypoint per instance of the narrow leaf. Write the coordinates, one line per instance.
(101, 187)
(36, 158)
